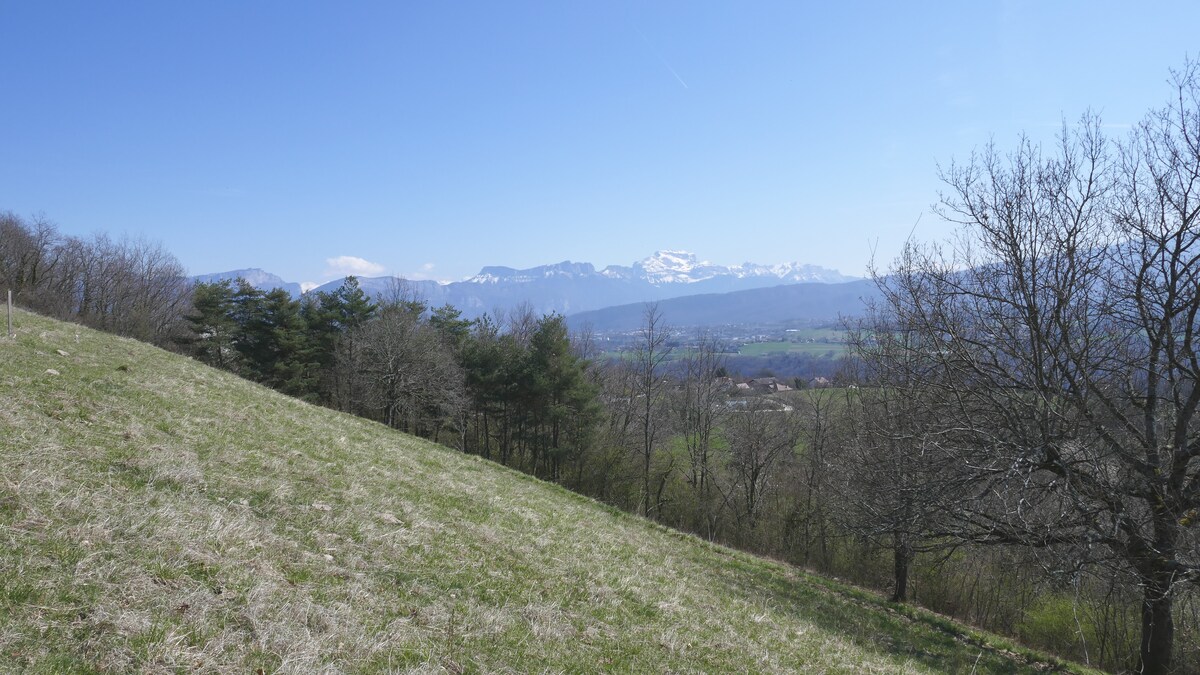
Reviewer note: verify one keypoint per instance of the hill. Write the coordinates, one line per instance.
(806, 302)
(156, 514)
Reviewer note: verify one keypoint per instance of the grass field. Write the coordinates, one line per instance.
(813, 341)
(814, 348)
(160, 516)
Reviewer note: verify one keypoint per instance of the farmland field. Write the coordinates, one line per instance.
(816, 346)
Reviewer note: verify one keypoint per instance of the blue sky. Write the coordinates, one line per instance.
(427, 139)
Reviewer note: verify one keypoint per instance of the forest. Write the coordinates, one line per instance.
(1014, 441)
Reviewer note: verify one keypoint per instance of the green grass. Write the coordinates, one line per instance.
(825, 333)
(787, 347)
(157, 515)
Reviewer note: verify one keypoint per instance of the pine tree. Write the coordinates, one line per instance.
(563, 397)
(274, 341)
(333, 321)
(212, 329)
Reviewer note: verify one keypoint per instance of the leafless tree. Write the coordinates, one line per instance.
(521, 323)
(408, 376)
(699, 409)
(649, 388)
(1062, 326)
(762, 435)
(132, 287)
(28, 256)
(156, 292)
(820, 435)
(904, 484)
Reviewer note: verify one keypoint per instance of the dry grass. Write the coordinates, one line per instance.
(157, 515)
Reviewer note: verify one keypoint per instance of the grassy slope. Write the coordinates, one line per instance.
(156, 514)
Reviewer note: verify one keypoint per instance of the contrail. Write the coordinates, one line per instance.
(664, 62)
(657, 53)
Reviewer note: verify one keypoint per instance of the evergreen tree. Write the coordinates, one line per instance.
(274, 341)
(563, 397)
(453, 329)
(212, 329)
(333, 320)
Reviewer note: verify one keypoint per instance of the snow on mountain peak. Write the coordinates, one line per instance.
(680, 258)
(683, 267)
(665, 267)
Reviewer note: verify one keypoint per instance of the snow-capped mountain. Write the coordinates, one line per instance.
(664, 267)
(569, 287)
(682, 267)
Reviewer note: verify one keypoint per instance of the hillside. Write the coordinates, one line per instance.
(157, 514)
(812, 302)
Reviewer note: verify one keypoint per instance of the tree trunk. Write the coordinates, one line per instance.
(646, 478)
(1158, 626)
(487, 438)
(902, 554)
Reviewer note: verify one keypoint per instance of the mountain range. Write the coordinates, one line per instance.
(569, 287)
(260, 279)
(803, 302)
(665, 268)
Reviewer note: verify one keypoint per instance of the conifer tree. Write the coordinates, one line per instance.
(212, 327)
(563, 397)
(333, 320)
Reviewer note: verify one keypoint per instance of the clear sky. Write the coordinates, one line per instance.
(428, 139)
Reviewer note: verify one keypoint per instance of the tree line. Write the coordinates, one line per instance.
(130, 287)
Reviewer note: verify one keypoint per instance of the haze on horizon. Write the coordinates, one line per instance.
(428, 141)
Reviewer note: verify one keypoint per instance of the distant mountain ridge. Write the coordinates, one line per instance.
(258, 278)
(803, 302)
(570, 287)
(666, 267)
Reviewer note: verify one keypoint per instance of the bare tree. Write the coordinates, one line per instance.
(614, 474)
(521, 323)
(409, 377)
(1063, 331)
(28, 256)
(649, 388)
(762, 435)
(904, 483)
(699, 410)
(810, 517)
(156, 292)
